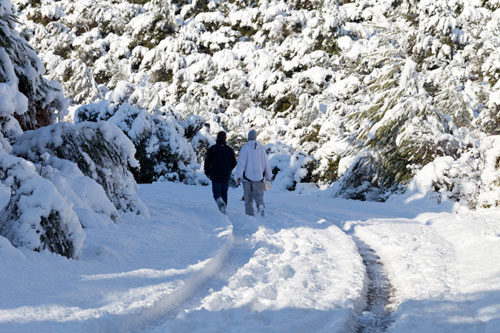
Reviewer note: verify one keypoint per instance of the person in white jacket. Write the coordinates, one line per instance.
(253, 170)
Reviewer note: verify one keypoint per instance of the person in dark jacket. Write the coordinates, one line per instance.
(219, 163)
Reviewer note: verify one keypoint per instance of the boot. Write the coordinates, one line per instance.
(222, 205)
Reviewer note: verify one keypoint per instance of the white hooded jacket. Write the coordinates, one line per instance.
(252, 163)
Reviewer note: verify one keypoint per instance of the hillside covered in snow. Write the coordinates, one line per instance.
(353, 96)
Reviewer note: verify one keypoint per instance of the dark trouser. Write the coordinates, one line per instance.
(253, 191)
(219, 189)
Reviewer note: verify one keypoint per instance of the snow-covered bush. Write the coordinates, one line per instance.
(386, 86)
(473, 179)
(37, 216)
(89, 200)
(22, 68)
(161, 148)
(100, 150)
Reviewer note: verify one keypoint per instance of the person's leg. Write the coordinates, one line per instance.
(247, 190)
(258, 194)
(216, 190)
(224, 189)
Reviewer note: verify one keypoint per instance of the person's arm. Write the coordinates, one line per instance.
(233, 159)
(208, 162)
(242, 162)
(267, 167)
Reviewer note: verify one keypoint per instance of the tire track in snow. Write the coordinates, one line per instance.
(375, 318)
(229, 258)
(169, 305)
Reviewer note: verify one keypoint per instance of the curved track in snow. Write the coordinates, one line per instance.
(376, 317)
(171, 305)
(208, 287)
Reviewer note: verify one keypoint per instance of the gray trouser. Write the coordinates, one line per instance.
(253, 191)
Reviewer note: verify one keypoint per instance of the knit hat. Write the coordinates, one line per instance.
(252, 135)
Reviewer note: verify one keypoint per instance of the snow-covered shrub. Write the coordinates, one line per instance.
(37, 216)
(289, 168)
(89, 200)
(77, 80)
(101, 151)
(473, 178)
(161, 148)
(392, 83)
(22, 68)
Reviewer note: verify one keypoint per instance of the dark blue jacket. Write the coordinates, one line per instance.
(220, 161)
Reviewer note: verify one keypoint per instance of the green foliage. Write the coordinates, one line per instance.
(139, 2)
(150, 161)
(307, 4)
(284, 104)
(227, 92)
(37, 17)
(102, 76)
(490, 5)
(362, 181)
(26, 63)
(491, 123)
(200, 7)
(154, 33)
(83, 25)
(245, 30)
(63, 50)
(162, 75)
(32, 3)
(196, 123)
(241, 4)
(236, 142)
(327, 44)
(53, 237)
(312, 135)
(326, 174)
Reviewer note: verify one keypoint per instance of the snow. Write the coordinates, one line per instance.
(35, 198)
(188, 268)
(354, 81)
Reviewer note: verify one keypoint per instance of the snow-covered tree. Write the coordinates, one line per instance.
(162, 150)
(22, 67)
(61, 176)
(358, 94)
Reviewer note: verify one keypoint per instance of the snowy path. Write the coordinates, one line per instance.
(254, 267)
(311, 264)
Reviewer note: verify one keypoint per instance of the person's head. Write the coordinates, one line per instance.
(221, 137)
(252, 135)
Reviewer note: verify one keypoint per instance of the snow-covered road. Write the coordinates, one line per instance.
(312, 263)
